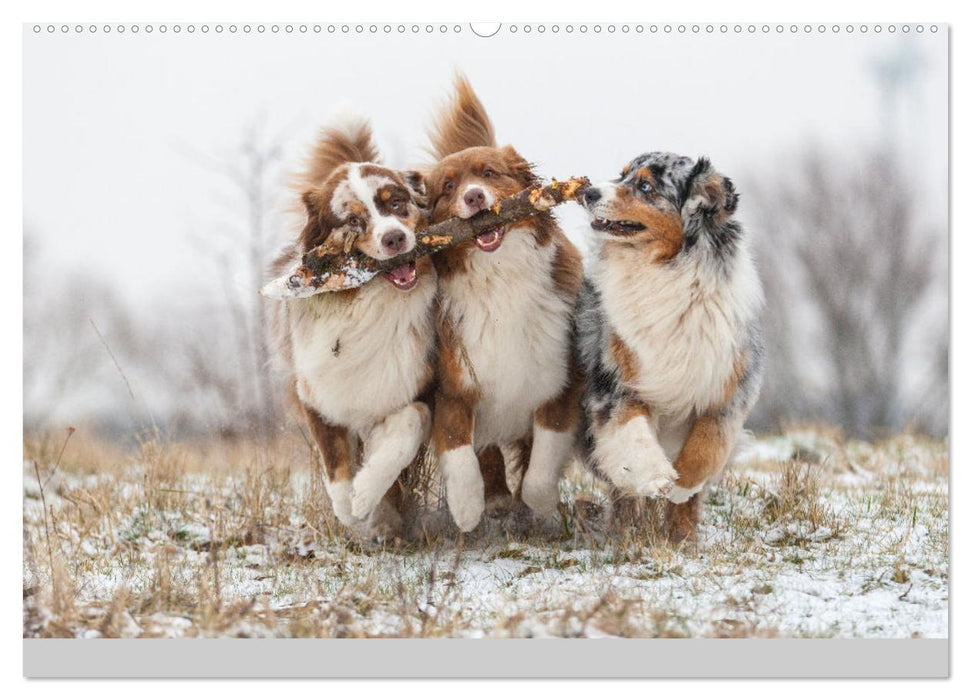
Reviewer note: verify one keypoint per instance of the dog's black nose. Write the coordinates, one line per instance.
(591, 195)
(394, 241)
(475, 199)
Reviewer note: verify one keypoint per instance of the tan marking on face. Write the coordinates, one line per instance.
(663, 232)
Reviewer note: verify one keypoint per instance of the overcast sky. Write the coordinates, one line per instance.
(108, 119)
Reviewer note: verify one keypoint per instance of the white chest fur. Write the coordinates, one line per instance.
(357, 361)
(683, 320)
(515, 328)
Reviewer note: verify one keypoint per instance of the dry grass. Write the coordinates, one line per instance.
(810, 535)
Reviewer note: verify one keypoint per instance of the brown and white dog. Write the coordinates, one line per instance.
(362, 361)
(507, 380)
(669, 331)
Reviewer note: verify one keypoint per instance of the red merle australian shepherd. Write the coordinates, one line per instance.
(362, 360)
(507, 382)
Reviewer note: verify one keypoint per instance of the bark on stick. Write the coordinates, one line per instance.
(323, 270)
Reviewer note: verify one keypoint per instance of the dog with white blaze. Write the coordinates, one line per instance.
(669, 332)
(508, 383)
(361, 361)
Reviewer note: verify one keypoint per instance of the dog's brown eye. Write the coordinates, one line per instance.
(487, 173)
(448, 186)
(353, 221)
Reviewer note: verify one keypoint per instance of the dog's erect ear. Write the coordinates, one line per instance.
(708, 194)
(519, 167)
(415, 182)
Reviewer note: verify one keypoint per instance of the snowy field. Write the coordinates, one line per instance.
(808, 535)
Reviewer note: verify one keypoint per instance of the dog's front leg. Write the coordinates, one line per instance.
(626, 451)
(333, 442)
(554, 439)
(388, 449)
(710, 441)
(452, 435)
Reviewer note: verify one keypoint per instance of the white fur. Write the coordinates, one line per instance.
(388, 449)
(340, 500)
(515, 328)
(385, 336)
(356, 187)
(683, 321)
(464, 488)
(551, 451)
(679, 494)
(464, 211)
(631, 457)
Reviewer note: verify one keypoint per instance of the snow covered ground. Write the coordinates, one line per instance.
(808, 535)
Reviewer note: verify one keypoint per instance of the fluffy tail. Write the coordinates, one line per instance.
(346, 141)
(463, 124)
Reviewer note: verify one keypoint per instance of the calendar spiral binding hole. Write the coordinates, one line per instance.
(518, 29)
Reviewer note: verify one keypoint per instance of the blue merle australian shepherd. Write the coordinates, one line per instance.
(669, 332)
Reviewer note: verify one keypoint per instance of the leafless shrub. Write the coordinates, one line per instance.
(855, 278)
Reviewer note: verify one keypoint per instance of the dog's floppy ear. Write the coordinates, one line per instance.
(708, 194)
(415, 182)
(519, 167)
(314, 232)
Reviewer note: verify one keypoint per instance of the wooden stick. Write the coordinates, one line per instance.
(325, 270)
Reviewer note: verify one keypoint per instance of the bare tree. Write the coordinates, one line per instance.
(849, 267)
(251, 179)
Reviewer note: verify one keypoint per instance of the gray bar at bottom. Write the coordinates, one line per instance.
(486, 658)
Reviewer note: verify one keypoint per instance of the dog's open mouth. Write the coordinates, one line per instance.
(624, 228)
(404, 277)
(490, 240)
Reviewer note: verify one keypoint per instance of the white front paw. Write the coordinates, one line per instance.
(540, 493)
(366, 493)
(340, 501)
(464, 488)
(652, 479)
(634, 462)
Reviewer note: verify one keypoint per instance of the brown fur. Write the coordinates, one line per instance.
(624, 358)
(323, 172)
(334, 444)
(663, 233)
(562, 413)
(493, 468)
(464, 125)
(463, 141)
(334, 148)
(453, 422)
(706, 449)
(681, 519)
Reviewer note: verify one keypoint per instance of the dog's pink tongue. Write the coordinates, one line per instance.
(404, 276)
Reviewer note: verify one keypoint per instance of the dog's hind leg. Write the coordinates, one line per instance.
(710, 442)
(390, 447)
(334, 444)
(554, 441)
(498, 497)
